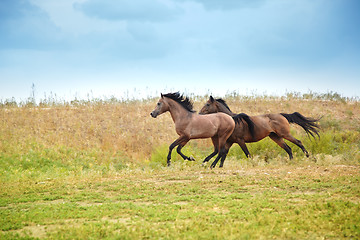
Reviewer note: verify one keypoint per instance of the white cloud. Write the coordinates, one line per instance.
(75, 23)
(130, 10)
(228, 4)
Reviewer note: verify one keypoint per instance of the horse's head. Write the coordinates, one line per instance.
(161, 107)
(209, 107)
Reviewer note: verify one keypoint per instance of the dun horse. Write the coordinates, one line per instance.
(276, 126)
(190, 125)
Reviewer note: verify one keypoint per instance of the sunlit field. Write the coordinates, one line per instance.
(91, 169)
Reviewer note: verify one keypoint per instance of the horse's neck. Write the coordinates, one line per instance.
(224, 109)
(177, 112)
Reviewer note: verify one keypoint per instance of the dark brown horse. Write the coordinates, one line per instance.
(190, 125)
(276, 126)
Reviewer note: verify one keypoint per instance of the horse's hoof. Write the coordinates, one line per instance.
(191, 158)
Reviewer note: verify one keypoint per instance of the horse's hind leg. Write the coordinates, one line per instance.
(224, 146)
(222, 156)
(216, 160)
(222, 153)
(215, 142)
(297, 143)
(211, 156)
(227, 147)
(222, 160)
(281, 143)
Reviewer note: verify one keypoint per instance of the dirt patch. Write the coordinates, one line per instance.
(181, 203)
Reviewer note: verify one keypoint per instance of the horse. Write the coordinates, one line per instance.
(276, 126)
(190, 125)
(246, 126)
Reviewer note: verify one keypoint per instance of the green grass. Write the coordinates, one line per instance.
(187, 201)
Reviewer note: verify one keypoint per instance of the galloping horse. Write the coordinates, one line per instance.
(276, 126)
(189, 125)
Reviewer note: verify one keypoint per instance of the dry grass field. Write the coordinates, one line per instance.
(96, 169)
(126, 130)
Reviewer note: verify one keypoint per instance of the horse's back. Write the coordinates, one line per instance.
(267, 123)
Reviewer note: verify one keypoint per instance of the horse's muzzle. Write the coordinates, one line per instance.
(154, 115)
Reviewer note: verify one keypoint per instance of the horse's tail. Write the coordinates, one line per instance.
(242, 116)
(308, 124)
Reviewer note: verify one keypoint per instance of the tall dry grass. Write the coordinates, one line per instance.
(122, 127)
(104, 130)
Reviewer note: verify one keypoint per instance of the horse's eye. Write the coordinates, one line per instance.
(208, 105)
(158, 104)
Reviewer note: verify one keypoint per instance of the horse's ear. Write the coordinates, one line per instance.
(212, 99)
(162, 96)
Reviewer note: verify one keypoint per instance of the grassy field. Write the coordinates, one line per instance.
(95, 169)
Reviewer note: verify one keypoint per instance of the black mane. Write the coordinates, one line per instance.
(179, 98)
(223, 103)
(240, 117)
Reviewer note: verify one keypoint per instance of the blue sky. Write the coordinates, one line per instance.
(73, 48)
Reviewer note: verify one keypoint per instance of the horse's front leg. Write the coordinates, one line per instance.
(178, 141)
(243, 146)
(178, 149)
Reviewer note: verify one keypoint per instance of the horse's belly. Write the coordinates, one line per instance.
(202, 130)
(202, 133)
